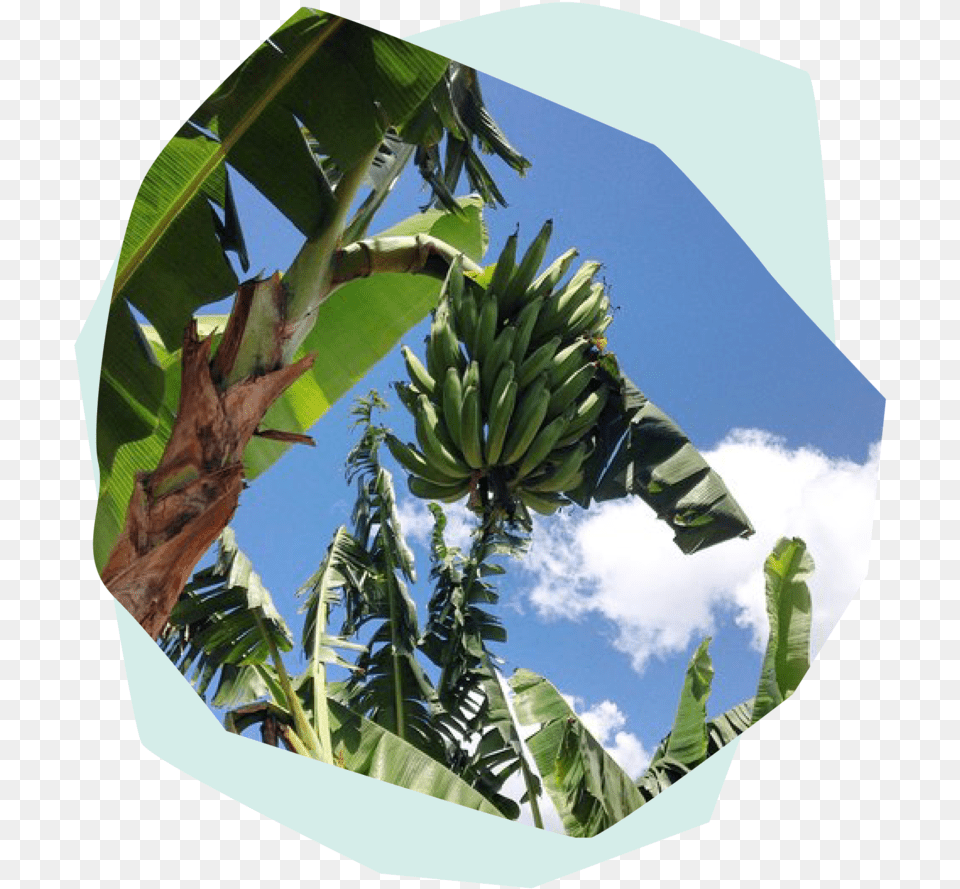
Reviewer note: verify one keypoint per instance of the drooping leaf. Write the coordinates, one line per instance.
(225, 618)
(787, 657)
(590, 791)
(640, 450)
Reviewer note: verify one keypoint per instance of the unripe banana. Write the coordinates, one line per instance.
(552, 274)
(588, 311)
(408, 396)
(486, 328)
(435, 443)
(573, 294)
(501, 412)
(544, 442)
(564, 476)
(428, 490)
(505, 267)
(566, 362)
(452, 401)
(415, 463)
(471, 433)
(570, 389)
(545, 504)
(466, 317)
(472, 376)
(499, 355)
(527, 270)
(447, 345)
(537, 362)
(526, 321)
(420, 377)
(587, 414)
(527, 419)
(556, 313)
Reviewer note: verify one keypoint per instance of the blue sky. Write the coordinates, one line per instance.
(711, 338)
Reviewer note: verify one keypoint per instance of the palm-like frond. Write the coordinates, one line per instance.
(389, 686)
(458, 632)
(224, 623)
(456, 108)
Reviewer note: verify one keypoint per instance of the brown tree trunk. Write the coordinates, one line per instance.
(178, 510)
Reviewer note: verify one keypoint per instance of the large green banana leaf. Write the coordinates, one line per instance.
(641, 451)
(363, 747)
(342, 81)
(590, 791)
(787, 657)
(356, 327)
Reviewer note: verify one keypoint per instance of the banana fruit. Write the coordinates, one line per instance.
(507, 399)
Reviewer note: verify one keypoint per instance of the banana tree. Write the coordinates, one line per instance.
(304, 119)
(226, 623)
(590, 791)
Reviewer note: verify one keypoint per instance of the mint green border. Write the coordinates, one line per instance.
(744, 129)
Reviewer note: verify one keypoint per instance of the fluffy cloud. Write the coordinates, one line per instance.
(416, 520)
(618, 561)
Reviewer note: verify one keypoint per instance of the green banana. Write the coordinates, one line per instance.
(587, 413)
(500, 410)
(408, 396)
(570, 389)
(452, 401)
(545, 504)
(526, 321)
(486, 327)
(588, 311)
(428, 490)
(447, 345)
(465, 317)
(527, 419)
(544, 442)
(472, 376)
(505, 266)
(563, 476)
(528, 267)
(420, 377)
(499, 355)
(415, 463)
(471, 433)
(552, 274)
(566, 362)
(537, 362)
(558, 309)
(435, 443)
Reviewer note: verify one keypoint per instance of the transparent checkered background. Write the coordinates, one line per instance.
(852, 780)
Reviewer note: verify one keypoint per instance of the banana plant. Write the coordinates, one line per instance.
(590, 791)
(456, 640)
(176, 438)
(390, 685)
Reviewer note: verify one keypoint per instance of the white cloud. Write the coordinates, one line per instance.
(416, 520)
(620, 562)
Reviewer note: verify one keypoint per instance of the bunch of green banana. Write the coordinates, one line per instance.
(508, 398)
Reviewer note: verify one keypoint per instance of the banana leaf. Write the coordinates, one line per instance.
(224, 623)
(356, 327)
(640, 450)
(787, 657)
(590, 791)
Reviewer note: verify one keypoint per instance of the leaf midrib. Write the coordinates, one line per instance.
(193, 185)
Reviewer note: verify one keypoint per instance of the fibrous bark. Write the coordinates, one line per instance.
(178, 510)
